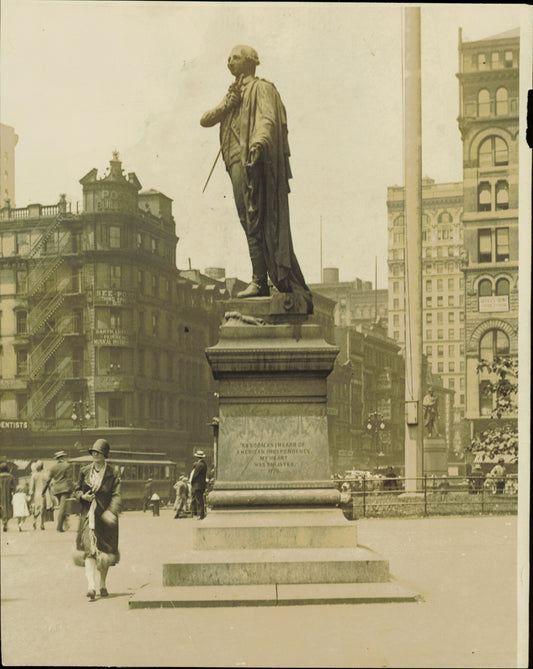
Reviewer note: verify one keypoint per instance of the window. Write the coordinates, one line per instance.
(396, 287)
(399, 220)
(440, 351)
(75, 280)
(155, 324)
(451, 383)
(396, 335)
(445, 217)
(116, 276)
(141, 323)
(429, 317)
(440, 334)
(481, 61)
(502, 244)
(428, 301)
(484, 245)
(116, 412)
(140, 242)
(22, 403)
(484, 288)
(22, 362)
(429, 334)
(461, 316)
(428, 285)
(451, 317)
(502, 287)
(77, 362)
(508, 59)
(23, 243)
(140, 281)
(396, 320)
(155, 364)
(154, 285)
(451, 300)
(483, 102)
(492, 152)
(439, 317)
(502, 102)
(494, 343)
(440, 367)
(484, 194)
(440, 301)
(502, 195)
(451, 350)
(22, 322)
(115, 237)
(398, 237)
(77, 321)
(21, 281)
(429, 351)
(450, 284)
(495, 60)
(396, 303)
(115, 319)
(154, 245)
(451, 334)
(451, 366)
(440, 285)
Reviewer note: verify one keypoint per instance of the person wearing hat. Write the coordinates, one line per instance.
(98, 491)
(147, 494)
(198, 483)
(182, 495)
(7, 488)
(498, 474)
(477, 479)
(40, 501)
(60, 481)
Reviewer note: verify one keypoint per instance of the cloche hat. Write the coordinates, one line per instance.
(101, 446)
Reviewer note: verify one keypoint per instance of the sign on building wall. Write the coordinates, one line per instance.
(494, 303)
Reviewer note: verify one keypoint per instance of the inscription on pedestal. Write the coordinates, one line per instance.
(273, 448)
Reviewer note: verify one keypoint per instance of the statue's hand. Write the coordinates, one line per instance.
(233, 98)
(255, 153)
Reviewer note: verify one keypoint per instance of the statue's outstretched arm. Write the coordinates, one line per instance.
(215, 115)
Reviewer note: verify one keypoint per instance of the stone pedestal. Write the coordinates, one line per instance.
(435, 456)
(274, 520)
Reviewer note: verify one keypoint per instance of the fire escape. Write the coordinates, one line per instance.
(46, 325)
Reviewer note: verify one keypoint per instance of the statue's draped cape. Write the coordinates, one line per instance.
(263, 121)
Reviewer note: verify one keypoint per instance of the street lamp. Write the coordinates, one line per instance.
(374, 425)
(78, 416)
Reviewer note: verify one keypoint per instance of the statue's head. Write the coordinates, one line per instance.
(242, 60)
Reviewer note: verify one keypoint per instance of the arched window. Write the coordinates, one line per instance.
(483, 196)
(502, 287)
(425, 219)
(502, 195)
(483, 102)
(399, 220)
(484, 288)
(493, 151)
(493, 344)
(502, 102)
(445, 217)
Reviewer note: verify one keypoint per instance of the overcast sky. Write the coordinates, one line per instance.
(81, 79)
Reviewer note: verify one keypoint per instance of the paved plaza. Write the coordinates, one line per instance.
(465, 569)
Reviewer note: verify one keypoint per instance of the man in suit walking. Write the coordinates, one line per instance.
(198, 483)
(60, 482)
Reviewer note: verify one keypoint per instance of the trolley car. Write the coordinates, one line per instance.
(135, 468)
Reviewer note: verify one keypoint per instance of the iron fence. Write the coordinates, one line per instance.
(447, 495)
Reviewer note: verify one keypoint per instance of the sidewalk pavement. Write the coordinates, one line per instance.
(464, 567)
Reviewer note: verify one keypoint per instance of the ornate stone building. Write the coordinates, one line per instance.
(97, 323)
(489, 125)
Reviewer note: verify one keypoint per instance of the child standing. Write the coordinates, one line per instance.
(20, 506)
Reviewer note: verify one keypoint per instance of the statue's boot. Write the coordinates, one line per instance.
(258, 287)
(259, 284)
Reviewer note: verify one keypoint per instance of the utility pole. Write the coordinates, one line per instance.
(414, 437)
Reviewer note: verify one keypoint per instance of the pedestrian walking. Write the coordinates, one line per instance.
(40, 499)
(498, 473)
(20, 506)
(98, 491)
(61, 485)
(7, 488)
(182, 495)
(198, 483)
(147, 494)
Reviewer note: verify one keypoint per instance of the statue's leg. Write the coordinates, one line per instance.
(249, 217)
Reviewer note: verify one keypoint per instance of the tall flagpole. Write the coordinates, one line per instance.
(414, 436)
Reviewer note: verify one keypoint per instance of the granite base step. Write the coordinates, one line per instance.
(271, 595)
(276, 566)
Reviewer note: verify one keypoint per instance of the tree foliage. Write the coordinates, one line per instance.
(502, 377)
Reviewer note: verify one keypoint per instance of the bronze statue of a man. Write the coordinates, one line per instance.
(255, 150)
(431, 411)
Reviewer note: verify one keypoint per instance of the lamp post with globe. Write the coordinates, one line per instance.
(374, 425)
(80, 415)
